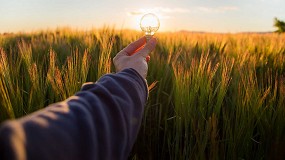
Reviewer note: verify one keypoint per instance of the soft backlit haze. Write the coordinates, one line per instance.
(175, 15)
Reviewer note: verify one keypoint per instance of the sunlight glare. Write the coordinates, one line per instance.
(149, 23)
(136, 17)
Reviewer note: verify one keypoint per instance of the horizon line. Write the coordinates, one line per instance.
(112, 27)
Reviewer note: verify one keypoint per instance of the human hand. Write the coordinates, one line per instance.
(135, 56)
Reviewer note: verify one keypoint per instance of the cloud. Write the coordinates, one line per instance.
(164, 12)
(158, 10)
(172, 10)
(134, 13)
(221, 9)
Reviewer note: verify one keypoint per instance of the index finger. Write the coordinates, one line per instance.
(149, 47)
(131, 48)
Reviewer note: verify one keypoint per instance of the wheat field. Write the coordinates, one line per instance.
(213, 96)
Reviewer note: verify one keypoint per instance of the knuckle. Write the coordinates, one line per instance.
(115, 59)
(130, 45)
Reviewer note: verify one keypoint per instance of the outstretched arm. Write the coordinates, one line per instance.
(99, 122)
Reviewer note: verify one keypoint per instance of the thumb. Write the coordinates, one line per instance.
(149, 47)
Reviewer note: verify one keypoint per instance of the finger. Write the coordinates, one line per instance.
(147, 58)
(122, 53)
(137, 50)
(119, 55)
(150, 45)
(131, 48)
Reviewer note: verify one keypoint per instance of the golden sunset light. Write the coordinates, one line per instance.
(142, 80)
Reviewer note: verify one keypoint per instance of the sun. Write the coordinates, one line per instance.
(135, 17)
(149, 23)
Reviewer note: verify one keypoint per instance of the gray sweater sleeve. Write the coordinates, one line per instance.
(100, 122)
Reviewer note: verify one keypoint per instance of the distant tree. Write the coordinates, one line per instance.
(280, 25)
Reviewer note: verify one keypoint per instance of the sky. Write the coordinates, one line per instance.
(222, 16)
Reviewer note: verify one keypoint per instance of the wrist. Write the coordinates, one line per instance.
(138, 78)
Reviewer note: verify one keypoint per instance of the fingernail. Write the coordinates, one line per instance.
(147, 58)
